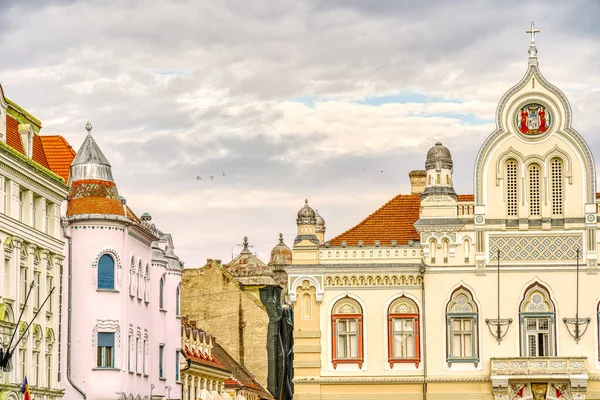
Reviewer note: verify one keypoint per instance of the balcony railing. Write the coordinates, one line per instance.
(539, 366)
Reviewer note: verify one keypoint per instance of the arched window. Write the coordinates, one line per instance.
(161, 291)
(537, 323)
(147, 284)
(403, 332)
(132, 277)
(438, 179)
(461, 337)
(140, 280)
(534, 190)
(511, 188)
(556, 167)
(445, 250)
(177, 301)
(106, 272)
(467, 249)
(432, 248)
(306, 306)
(347, 329)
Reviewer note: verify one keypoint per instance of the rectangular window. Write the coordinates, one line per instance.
(161, 351)
(21, 199)
(537, 333)
(38, 290)
(106, 346)
(347, 338)
(144, 357)
(34, 214)
(24, 285)
(5, 197)
(49, 284)
(403, 336)
(47, 218)
(7, 286)
(23, 361)
(177, 365)
(129, 352)
(137, 352)
(36, 368)
(48, 370)
(462, 337)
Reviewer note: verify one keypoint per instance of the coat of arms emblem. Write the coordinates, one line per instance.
(533, 119)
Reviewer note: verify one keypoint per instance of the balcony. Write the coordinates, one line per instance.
(538, 366)
(539, 369)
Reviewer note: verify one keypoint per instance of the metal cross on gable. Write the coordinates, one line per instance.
(533, 31)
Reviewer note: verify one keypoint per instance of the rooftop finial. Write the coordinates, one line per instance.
(281, 238)
(532, 47)
(245, 242)
(88, 127)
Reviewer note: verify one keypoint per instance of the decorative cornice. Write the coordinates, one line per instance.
(374, 380)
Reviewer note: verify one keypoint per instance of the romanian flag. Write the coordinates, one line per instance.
(25, 390)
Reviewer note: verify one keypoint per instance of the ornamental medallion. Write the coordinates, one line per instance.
(533, 119)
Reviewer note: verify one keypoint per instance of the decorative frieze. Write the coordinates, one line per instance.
(372, 280)
(535, 247)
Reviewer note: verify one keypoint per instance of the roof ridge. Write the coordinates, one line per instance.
(373, 213)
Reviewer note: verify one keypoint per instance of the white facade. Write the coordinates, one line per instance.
(31, 250)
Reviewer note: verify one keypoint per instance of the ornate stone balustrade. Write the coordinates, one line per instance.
(539, 366)
(521, 374)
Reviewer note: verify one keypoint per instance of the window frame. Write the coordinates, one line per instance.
(451, 316)
(524, 314)
(114, 265)
(391, 317)
(554, 183)
(161, 293)
(161, 361)
(509, 198)
(101, 354)
(534, 192)
(335, 317)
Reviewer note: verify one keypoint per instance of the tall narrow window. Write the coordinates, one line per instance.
(347, 328)
(467, 249)
(445, 250)
(48, 370)
(511, 188)
(24, 285)
(106, 272)
(106, 346)
(534, 190)
(36, 368)
(161, 290)
(47, 218)
(306, 306)
(161, 351)
(5, 197)
(556, 167)
(461, 319)
(137, 352)
(403, 332)
(145, 344)
(38, 289)
(177, 294)
(49, 284)
(21, 205)
(129, 340)
(537, 323)
(432, 248)
(177, 365)
(23, 359)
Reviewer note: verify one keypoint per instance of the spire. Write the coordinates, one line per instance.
(90, 162)
(92, 188)
(532, 47)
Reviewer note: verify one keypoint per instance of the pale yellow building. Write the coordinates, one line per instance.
(408, 305)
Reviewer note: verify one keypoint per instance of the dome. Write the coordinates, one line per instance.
(281, 254)
(438, 157)
(319, 220)
(306, 215)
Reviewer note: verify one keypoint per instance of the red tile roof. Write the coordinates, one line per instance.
(13, 139)
(392, 221)
(38, 154)
(59, 154)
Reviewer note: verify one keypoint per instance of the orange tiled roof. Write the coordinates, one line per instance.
(38, 154)
(13, 139)
(392, 221)
(59, 154)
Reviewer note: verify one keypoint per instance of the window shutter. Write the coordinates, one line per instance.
(106, 339)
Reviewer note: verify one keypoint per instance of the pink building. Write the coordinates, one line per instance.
(121, 330)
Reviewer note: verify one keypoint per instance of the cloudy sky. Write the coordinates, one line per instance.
(330, 100)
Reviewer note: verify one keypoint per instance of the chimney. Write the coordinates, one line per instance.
(417, 181)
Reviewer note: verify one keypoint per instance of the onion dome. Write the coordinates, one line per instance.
(306, 215)
(92, 187)
(438, 157)
(281, 255)
(320, 222)
(249, 270)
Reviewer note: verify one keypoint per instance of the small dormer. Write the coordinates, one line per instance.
(26, 132)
